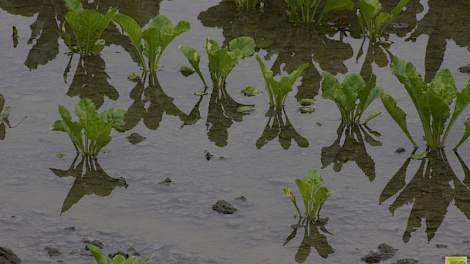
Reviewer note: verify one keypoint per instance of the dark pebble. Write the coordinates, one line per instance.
(70, 228)
(167, 181)
(465, 69)
(52, 252)
(209, 155)
(135, 138)
(224, 207)
(400, 150)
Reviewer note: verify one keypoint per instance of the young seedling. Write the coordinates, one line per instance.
(88, 26)
(101, 258)
(92, 132)
(151, 41)
(373, 19)
(313, 194)
(314, 11)
(433, 103)
(352, 96)
(222, 60)
(277, 90)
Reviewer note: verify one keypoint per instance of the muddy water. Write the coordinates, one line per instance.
(175, 223)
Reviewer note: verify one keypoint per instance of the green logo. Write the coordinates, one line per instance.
(456, 260)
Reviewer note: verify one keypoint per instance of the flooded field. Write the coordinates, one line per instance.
(210, 149)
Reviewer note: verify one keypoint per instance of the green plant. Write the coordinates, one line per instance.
(92, 132)
(313, 193)
(352, 96)
(432, 102)
(278, 90)
(222, 60)
(88, 26)
(373, 19)
(101, 258)
(247, 4)
(151, 40)
(314, 11)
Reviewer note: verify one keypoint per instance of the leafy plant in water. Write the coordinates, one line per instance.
(314, 11)
(101, 258)
(92, 132)
(222, 60)
(151, 41)
(278, 90)
(432, 102)
(352, 96)
(373, 19)
(313, 194)
(88, 26)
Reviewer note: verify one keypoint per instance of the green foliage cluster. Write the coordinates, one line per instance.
(151, 41)
(373, 19)
(88, 26)
(101, 258)
(92, 132)
(432, 101)
(222, 60)
(313, 194)
(278, 90)
(352, 96)
(314, 11)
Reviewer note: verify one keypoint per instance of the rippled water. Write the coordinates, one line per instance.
(371, 202)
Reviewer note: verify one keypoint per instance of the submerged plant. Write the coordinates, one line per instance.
(373, 19)
(88, 26)
(432, 102)
(352, 96)
(222, 60)
(278, 90)
(314, 11)
(101, 258)
(151, 41)
(313, 194)
(92, 132)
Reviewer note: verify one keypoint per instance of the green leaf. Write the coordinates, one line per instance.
(242, 46)
(370, 9)
(246, 109)
(420, 155)
(119, 259)
(74, 5)
(250, 91)
(336, 6)
(397, 114)
(132, 29)
(191, 55)
(99, 256)
(98, 46)
(186, 71)
(396, 11)
(443, 86)
(466, 134)
(115, 118)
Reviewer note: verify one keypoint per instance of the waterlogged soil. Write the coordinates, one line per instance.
(209, 152)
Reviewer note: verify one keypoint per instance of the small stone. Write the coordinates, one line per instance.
(70, 228)
(95, 243)
(119, 253)
(52, 252)
(442, 246)
(241, 198)
(167, 181)
(400, 150)
(208, 155)
(465, 69)
(406, 261)
(135, 138)
(224, 207)
(8, 257)
(319, 124)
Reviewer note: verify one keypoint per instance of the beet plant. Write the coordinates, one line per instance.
(102, 258)
(352, 96)
(314, 11)
(151, 40)
(374, 20)
(313, 194)
(222, 60)
(88, 26)
(433, 102)
(92, 132)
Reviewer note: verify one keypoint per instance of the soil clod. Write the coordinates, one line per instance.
(135, 138)
(224, 207)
